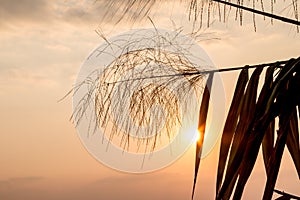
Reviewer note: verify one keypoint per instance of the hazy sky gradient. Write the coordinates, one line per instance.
(43, 44)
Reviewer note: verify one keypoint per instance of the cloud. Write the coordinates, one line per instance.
(15, 8)
(160, 185)
(14, 11)
(17, 14)
(20, 187)
(135, 187)
(19, 182)
(19, 76)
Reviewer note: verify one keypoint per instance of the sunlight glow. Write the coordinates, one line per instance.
(197, 136)
(193, 134)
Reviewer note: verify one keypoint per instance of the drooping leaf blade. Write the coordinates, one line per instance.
(272, 108)
(285, 73)
(284, 91)
(275, 159)
(201, 126)
(266, 115)
(268, 139)
(230, 124)
(247, 112)
(293, 141)
(240, 138)
(268, 143)
(293, 135)
(249, 147)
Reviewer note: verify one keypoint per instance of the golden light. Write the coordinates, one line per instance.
(193, 133)
(200, 135)
(197, 135)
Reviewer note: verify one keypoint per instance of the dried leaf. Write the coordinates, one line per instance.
(268, 140)
(293, 135)
(293, 141)
(247, 148)
(275, 159)
(268, 143)
(201, 126)
(273, 106)
(244, 159)
(231, 123)
(284, 75)
(247, 112)
(286, 104)
(240, 137)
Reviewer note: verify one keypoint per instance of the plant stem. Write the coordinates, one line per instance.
(287, 194)
(204, 71)
(284, 19)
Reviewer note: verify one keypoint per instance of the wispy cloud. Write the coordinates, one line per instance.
(19, 181)
(14, 11)
(115, 187)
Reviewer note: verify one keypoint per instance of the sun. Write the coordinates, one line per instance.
(192, 133)
(197, 136)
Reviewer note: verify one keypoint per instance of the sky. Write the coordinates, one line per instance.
(43, 45)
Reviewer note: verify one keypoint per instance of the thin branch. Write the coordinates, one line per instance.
(205, 71)
(287, 194)
(284, 19)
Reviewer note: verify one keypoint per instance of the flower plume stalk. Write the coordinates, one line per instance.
(144, 94)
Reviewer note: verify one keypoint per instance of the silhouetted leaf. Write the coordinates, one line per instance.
(247, 145)
(293, 141)
(266, 87)
(268, 143)
(240, 137)
(293, 136)
(285, 73)
(283, 198)
(268, 140)
(201, 126)
(260, 124)
(231, 123)
(275, 159)
(287, 195)
(284, 92)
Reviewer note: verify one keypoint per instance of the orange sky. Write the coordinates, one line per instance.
(43, 44)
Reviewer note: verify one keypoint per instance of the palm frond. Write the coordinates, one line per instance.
(231, 124)
(268, 140)
(277, 98)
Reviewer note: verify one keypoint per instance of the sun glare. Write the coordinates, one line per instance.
(193, 134)
(197, 136)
